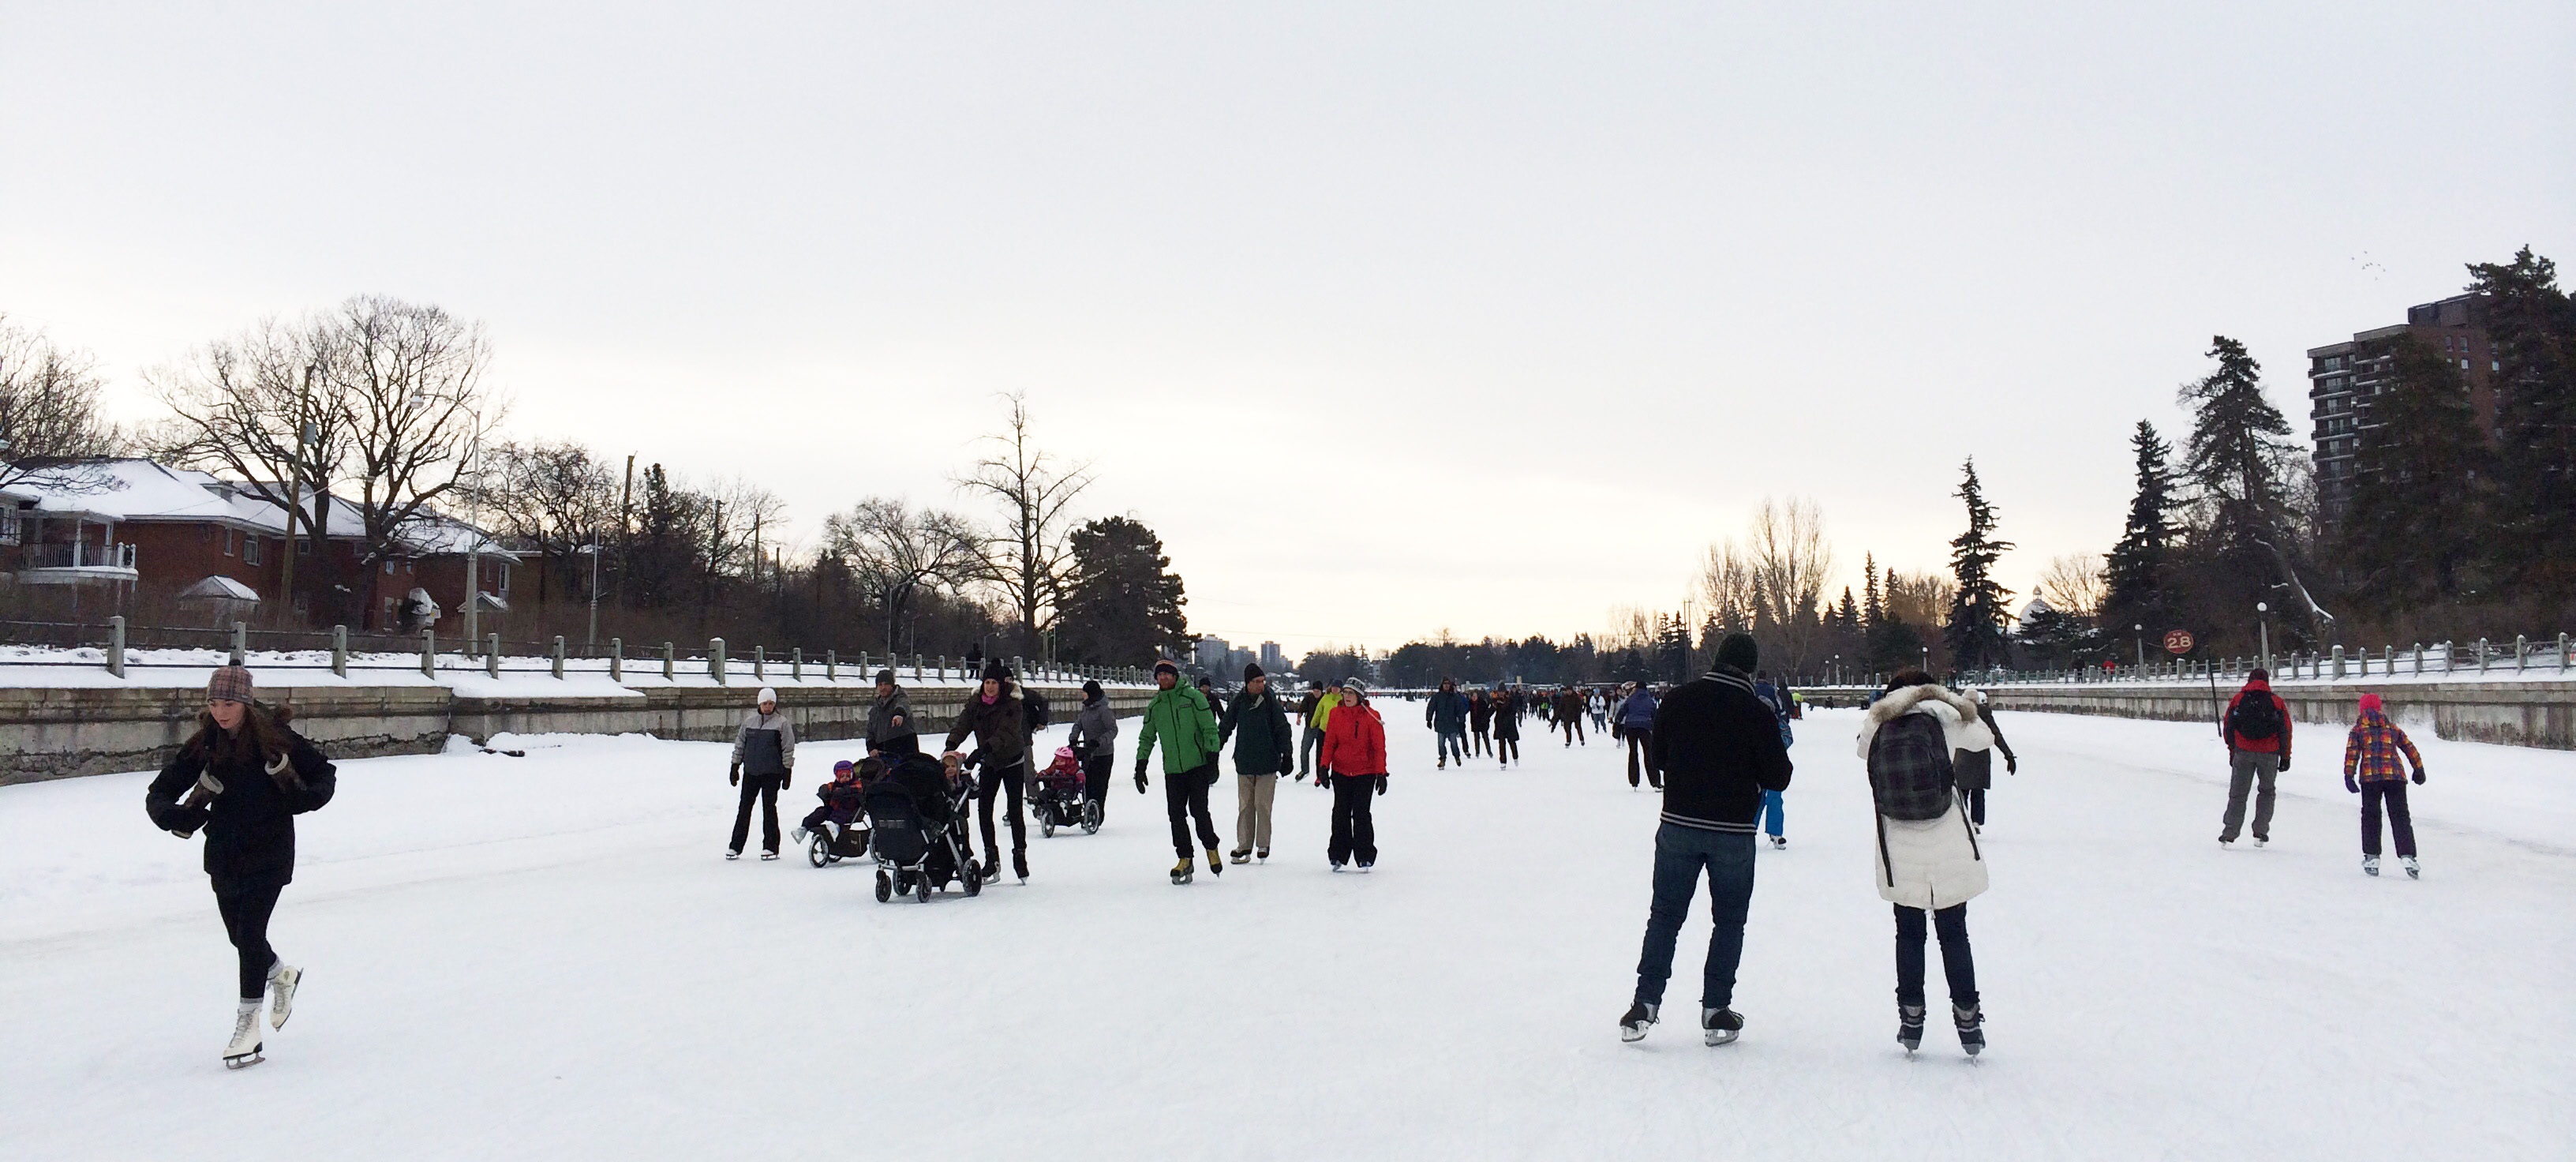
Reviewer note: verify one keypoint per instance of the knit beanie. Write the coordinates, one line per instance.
(1739, 652)
(885, 677)
(229, 683)
(2370, 704)
(766, 695)
(996, 671)
(1166, 667)
(1090, 689)
(1251, 670)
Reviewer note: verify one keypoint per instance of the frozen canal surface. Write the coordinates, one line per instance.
(523, 957)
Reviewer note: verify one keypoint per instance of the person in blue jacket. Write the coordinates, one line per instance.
(1636, 724)
(1446, 715)
(1774, 814)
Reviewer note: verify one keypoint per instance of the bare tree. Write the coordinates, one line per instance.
(552, 497)
(254, 407)
(49, 419)
(1773, 584)
(1726, 583)
(409, 380)
(1035, 489)
(895, 551)
(2075, 585)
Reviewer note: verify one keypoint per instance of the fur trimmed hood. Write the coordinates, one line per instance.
(1960, 723)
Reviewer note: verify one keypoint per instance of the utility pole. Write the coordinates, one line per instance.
(626, 529)
(593, 641)
(295, 489)
(473, 543)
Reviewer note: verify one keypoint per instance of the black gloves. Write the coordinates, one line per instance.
(2285, 760)
(1286, 767)
(2351, 787)
(2012, 766)
(2419, 776)
(733, 777)
(786, 781)
(1381, 784)
(1140, 774)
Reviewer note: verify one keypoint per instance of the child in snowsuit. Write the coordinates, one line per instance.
(840, 798)
(2372, 771)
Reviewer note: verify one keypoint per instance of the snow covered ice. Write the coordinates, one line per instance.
(524, 957)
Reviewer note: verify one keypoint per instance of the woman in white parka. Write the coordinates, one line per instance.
(1927, 860)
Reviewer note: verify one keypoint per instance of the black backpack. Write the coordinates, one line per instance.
(1034, 705)
(1909, 768)
(2254, 718)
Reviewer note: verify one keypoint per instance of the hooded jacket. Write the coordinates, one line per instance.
(1095, 729)
(1929, 863)
(1180, 719)
(1446, 712)
(1263, 742)
(1354, 741)
(1719, 749)
(2257, 688)
(1638, 712)
(1324, 708)
(1000, 727)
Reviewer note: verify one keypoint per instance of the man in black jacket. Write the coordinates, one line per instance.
(1719, 748)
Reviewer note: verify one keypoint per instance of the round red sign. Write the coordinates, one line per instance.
(2178, 642)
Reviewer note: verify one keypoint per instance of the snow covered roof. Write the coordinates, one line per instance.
(221, 587)
(142, 490)
(2032, 611)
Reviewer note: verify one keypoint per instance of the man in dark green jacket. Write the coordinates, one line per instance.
(1264, 749)
(1180, 717)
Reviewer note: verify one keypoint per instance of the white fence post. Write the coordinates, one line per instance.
(492, 655)
(559, 657)
(340, 650)
(116, 646)
(617, 659)
(428, 652)
(716, 659)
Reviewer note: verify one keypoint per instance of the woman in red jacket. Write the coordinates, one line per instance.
(1355, 752)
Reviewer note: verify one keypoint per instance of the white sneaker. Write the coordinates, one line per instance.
(245, 1046)
(282, 980)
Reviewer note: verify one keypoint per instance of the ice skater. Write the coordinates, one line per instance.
(1929, 864)
(2371, 770)
(1445, 712)
(2256, 729)
(997, 717)
(1180, 718)
(1719, 751)
(1635, 723)
(1507, 727)
(245, 777)
(764, 763)
(1094, 739)
(1775, 805)
(1258, 724)
(1976, 768)
(1355, 752)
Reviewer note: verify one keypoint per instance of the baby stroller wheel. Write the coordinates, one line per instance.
(1046, 828)
(885, 886)
(921, 889)
(974, 879)
(819, 852)
(1091, 817)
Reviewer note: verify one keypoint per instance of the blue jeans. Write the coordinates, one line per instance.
(1680, 854)
(1453, 745)
(1774, 816)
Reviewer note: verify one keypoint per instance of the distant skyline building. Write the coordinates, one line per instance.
(1273, 659)
(2345, 378)
(1209, 655)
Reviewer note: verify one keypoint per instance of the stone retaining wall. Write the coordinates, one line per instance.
(2537, 714)
(60, 733)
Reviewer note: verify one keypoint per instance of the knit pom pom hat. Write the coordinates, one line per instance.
(230, 684)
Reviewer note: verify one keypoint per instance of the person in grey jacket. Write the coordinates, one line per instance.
(1094, 740)
(891, 734)
(764, 760)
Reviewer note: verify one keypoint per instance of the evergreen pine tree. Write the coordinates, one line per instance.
(1977, 613)
(2236, 459)
(1123, 604)
(2134, 571)
(2416, 504)
(1873, 609)
(2531, 326)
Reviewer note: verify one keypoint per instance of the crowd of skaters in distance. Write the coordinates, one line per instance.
(1716, 747)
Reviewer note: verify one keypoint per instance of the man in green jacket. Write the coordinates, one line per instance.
(1258, 723)
(1180, 717)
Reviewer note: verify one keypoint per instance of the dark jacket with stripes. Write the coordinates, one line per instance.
(1719, 749)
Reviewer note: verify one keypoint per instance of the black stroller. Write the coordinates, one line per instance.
(1059, 799)
(918, 823)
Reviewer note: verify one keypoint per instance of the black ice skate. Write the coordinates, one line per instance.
(1972, 1028)
(1633, 1026)
(1719, 1026)
(1909, 1027)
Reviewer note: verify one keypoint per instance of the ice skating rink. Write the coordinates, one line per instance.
(547, 957)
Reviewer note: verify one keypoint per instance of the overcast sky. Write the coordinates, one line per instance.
(1388, 317)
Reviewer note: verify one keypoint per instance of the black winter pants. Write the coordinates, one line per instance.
(1185, 797)
(1637, 757)
(1977, 806)
(246, 908)
(1952, 925)
(1354, 829)
(995, 779)
(2393, 795)
(1507, 747)
(1482, 739)
(765, 789)
(1573, 727)
(1095, 782)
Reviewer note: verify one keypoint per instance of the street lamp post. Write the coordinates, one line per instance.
(2263, 634)
(594, 587)
(2140, 629)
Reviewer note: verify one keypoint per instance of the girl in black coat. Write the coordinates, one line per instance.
(244, 777)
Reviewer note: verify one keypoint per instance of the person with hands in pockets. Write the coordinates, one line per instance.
(1264, 750)
(764, 759)
(1180, 718)
(245, 778)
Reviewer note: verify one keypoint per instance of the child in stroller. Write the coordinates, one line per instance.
(833, 839)
(1059, 800)
(917, 819)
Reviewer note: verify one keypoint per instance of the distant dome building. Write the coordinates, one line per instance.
(2030, 613)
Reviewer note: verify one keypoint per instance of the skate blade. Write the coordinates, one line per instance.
(245, 1061)
(1716, 1037)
